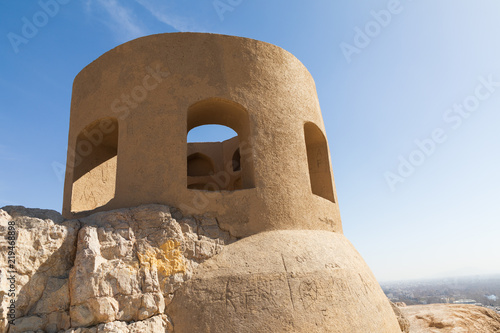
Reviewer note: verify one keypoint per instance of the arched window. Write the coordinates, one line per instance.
(218, 136)
(199, 165)
(319, 164)
(210, 133)
(210, 164)
(94, 174)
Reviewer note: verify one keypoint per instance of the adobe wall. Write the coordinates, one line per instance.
(182, 80)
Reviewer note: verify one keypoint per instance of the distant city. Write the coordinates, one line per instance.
(477, 290)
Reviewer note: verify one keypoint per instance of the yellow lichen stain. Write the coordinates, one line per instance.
(133, 267)
(167, 259)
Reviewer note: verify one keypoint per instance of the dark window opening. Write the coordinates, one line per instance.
(237, 160)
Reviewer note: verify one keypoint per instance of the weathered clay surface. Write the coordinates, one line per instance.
(284, 281)
(114, 267)
(262, 92)
(451, 318)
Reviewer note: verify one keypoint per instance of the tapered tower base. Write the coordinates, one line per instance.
(284, 281)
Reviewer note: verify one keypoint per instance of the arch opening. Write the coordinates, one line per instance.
(94, 166)
(318, 162)
(199, 165)
(211, 122)
(212, 133)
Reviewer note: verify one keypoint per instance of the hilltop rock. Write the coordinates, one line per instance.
(451, 318)
(158, 323)
(404, 323)
(110, 272)
(117, 271)
(44, 254)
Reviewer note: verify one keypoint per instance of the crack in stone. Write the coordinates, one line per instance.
(288, 281)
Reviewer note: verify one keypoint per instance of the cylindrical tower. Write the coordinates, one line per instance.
(130, 115)
(131, 111)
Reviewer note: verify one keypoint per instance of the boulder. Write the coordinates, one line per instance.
(451, 318)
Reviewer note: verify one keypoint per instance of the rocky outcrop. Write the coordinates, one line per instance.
(451, 318)
(110, 272)
(43, 256)
(159, 323)
(404, 323)
(152, 269)
(118, 271)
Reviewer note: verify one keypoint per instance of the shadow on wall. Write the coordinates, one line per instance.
(319, 163)
(94, 174)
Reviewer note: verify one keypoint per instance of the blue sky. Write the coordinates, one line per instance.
(410, 94)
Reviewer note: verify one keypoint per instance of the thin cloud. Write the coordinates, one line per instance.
(123, 19)
(164, 14)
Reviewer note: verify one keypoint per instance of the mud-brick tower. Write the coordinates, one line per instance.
(272, 185)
